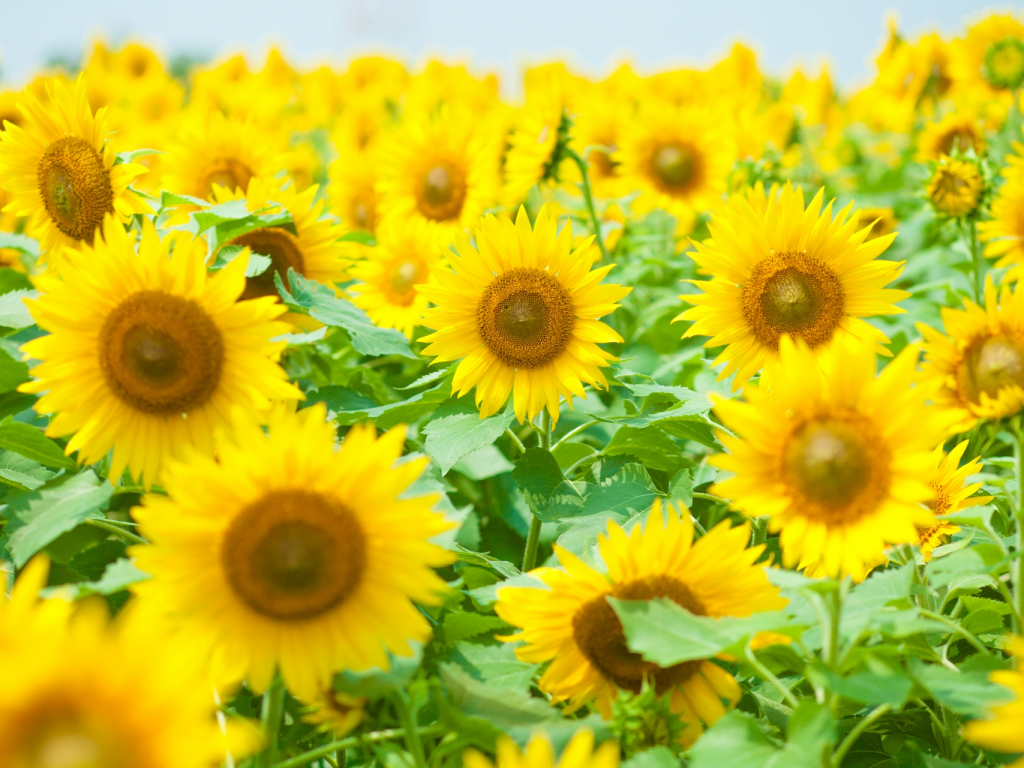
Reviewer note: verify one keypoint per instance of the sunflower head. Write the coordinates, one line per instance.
(953, 133)
(956, 187)
(521, 309)
(336, 712)
(1004, 63)
(880, 221)
(540, 754)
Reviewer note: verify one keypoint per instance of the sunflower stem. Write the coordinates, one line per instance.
(768, 675)
(273, 713)
(111, 528)
(957, 629)
(533, 536)
(856, 731)
(341, 745)
(588, 200)
(1018, 571)
(516, 441)
(413, 743)
(971, 235)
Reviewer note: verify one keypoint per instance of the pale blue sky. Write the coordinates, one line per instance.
(492, 34)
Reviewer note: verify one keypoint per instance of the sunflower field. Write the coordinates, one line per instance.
(359, 417)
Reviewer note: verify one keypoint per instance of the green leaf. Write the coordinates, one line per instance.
(319, 301)
(666, 633)
(737, 740)
(567, 454)
(27, 441)
(12, 372)
(811, 730)
(130, 157)
(631, 490)
(967, 693)
(506, 569)
(22, 473)
(548, 494)
(503, 707)
(340, 399)
(650, 445)
(118, 576)
(450, 437)
(232, 210)
(496, 665)
(983, 621)
(869, 688)
(426, 379)
(57, 510)
(21, 243)
(681, 487)
(93, 561)
(358, 236)
(866, 601)
(170, 199)
(463, 625)
(656, 757)
(13, 312)
(483, 463)
(258, 264)
(375, 683)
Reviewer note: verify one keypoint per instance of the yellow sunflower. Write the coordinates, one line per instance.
(578, 753)
(60, 170)
(950, 495)
(599, 125)
(953, 131)
(880, 221)
(979, 366)
(678, 158)
(284, 554)
(571, 624)
(146, 353)
(522, 309)
(538, 126)
(839, 460)
(336, 712)
(312, 250)
(214, 150)
(441, 168)
(79, 692)
(783, 270)
(989, 58)
(1004, 233)
(1002, 731)
(406, 252)
(352, 191)
(955, 187)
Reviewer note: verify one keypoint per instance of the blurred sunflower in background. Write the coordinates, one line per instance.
(951, 495)
(578, 753)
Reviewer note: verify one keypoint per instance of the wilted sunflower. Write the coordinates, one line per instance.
(979, 366)
(954, 131)
(60, 170)
(80, 693)
(679, 159)
(406, 252)
(1002, 731)
(578, 753)
(838, 459)
(956, 187)
(570, 622)
(522, 309)
(784, 270)
(1004, 233)
(441, 168)
(950, 495)
(146, 353)
(284, 554)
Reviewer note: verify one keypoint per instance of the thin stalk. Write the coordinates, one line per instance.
(533, 537)
(957, 629)
(979, 262)
(768, 675)
(411, 732)
(1018, 572)
(709, 497)
(856, 731)
(273, 713)
(341, 745)
(117, 531)
(515, 440)
(574, 432)
(588, 200)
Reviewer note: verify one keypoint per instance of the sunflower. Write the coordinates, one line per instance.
(146, 353)
(60, 171)
(214, 150)
(1002, 731)
(599, 125)
(679, 159)
(312, 250)
(1004, 63)
(954, 131)
(80, 692)
(579, 753)
(336, 712)
(955, 187)
(989, 59)
(779, 269)
(571, 624)
(950, 495)
(352, 191)
(540, 127)
(406, 252)
(522, 309)
(880, 221)
(440, 168)
(837, 458)
(282, 553)
(1004, 233)
(979, 366)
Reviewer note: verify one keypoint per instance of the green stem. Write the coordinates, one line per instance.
(515, 440)
(588, 200)
(1018, 570)
(856, 731)
(574, 432)
(411, 732)
(533, 537)
(979, 263)
(273, 713)
(768, 675)
(111, 528)
(352, 741)
(957, 629)
(709, 497)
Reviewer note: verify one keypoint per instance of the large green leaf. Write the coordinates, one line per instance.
(12, 372)
(13, 312)
(118, 576)
(650, 445)
(27, 441)
(17, 471)
(458, 430)
(549, 495)
(737, 740)
(495, 665)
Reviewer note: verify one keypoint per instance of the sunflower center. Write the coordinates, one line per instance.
(1004, 63)
(601, 164)
(601, 639)
(294, 555)
(674, 166)
(362, 215)
(161, 354)
(795, 294)
(405, 276)
(227, 172)
(940, 503)
(526, 317)
(282, 248)
(962, 137)
(991, 365)
(838, 468)
(67, 743)
(75, 187)
(442, 192)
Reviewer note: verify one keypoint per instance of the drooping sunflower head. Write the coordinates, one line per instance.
(145, 352)
(956, 187)
(406, 252)
(282, 553)
(1001, 731)
(571, 623)
(521, 309)
(578, 752)
(783, 270)
(60, 170)
(81, 693)
(979, 365)
(838, 459)
(1004, 63)
(953, 132)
